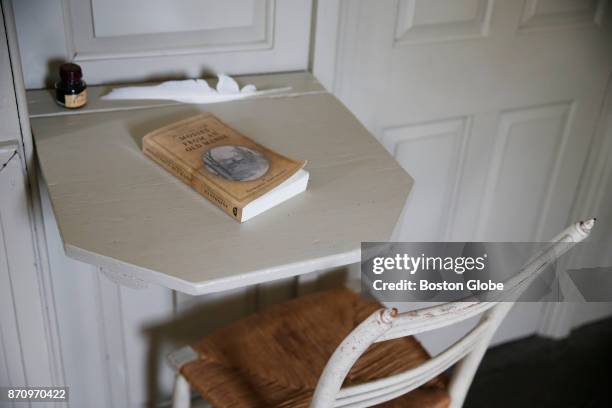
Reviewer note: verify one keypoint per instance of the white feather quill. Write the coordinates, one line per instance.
(189, 91)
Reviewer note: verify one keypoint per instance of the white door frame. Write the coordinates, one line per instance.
(34, 294)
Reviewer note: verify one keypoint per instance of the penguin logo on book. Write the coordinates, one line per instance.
(236, 163)
(235, 211)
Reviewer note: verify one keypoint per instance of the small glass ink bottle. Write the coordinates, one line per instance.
(71, 90)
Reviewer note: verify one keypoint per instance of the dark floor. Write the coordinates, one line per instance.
(536, 372)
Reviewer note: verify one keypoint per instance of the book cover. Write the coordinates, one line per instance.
(226, 167)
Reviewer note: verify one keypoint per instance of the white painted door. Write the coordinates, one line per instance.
(491, 105)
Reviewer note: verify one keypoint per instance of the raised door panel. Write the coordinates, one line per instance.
(431, 151)
(440, 20)
(525, 163)
(539, 14)
(136, 40)
(119, 29)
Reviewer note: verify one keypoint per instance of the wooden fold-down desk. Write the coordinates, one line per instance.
(122, 212)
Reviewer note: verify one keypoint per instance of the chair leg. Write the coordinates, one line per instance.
(182, 393)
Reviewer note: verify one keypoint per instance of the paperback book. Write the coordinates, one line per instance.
(238, 175)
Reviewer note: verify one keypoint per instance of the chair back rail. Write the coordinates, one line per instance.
(387, 324)
(431, 318)
(425, 371)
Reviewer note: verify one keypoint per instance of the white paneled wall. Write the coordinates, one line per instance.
(24, 331)
(114, 339)
(27, 353)
(12, 370)
(493, 106)
(118, 41)
(111, 352)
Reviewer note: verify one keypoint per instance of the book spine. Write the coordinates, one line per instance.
(217, 197)
(160, 157)
(186, 174)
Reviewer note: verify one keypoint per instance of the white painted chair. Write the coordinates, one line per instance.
(387, 324)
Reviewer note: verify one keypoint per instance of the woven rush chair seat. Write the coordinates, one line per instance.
(274, 358)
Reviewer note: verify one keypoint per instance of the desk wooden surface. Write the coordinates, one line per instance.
(119, 210)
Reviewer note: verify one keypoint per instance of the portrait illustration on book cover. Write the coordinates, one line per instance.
(240, 176)
(236, 163)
